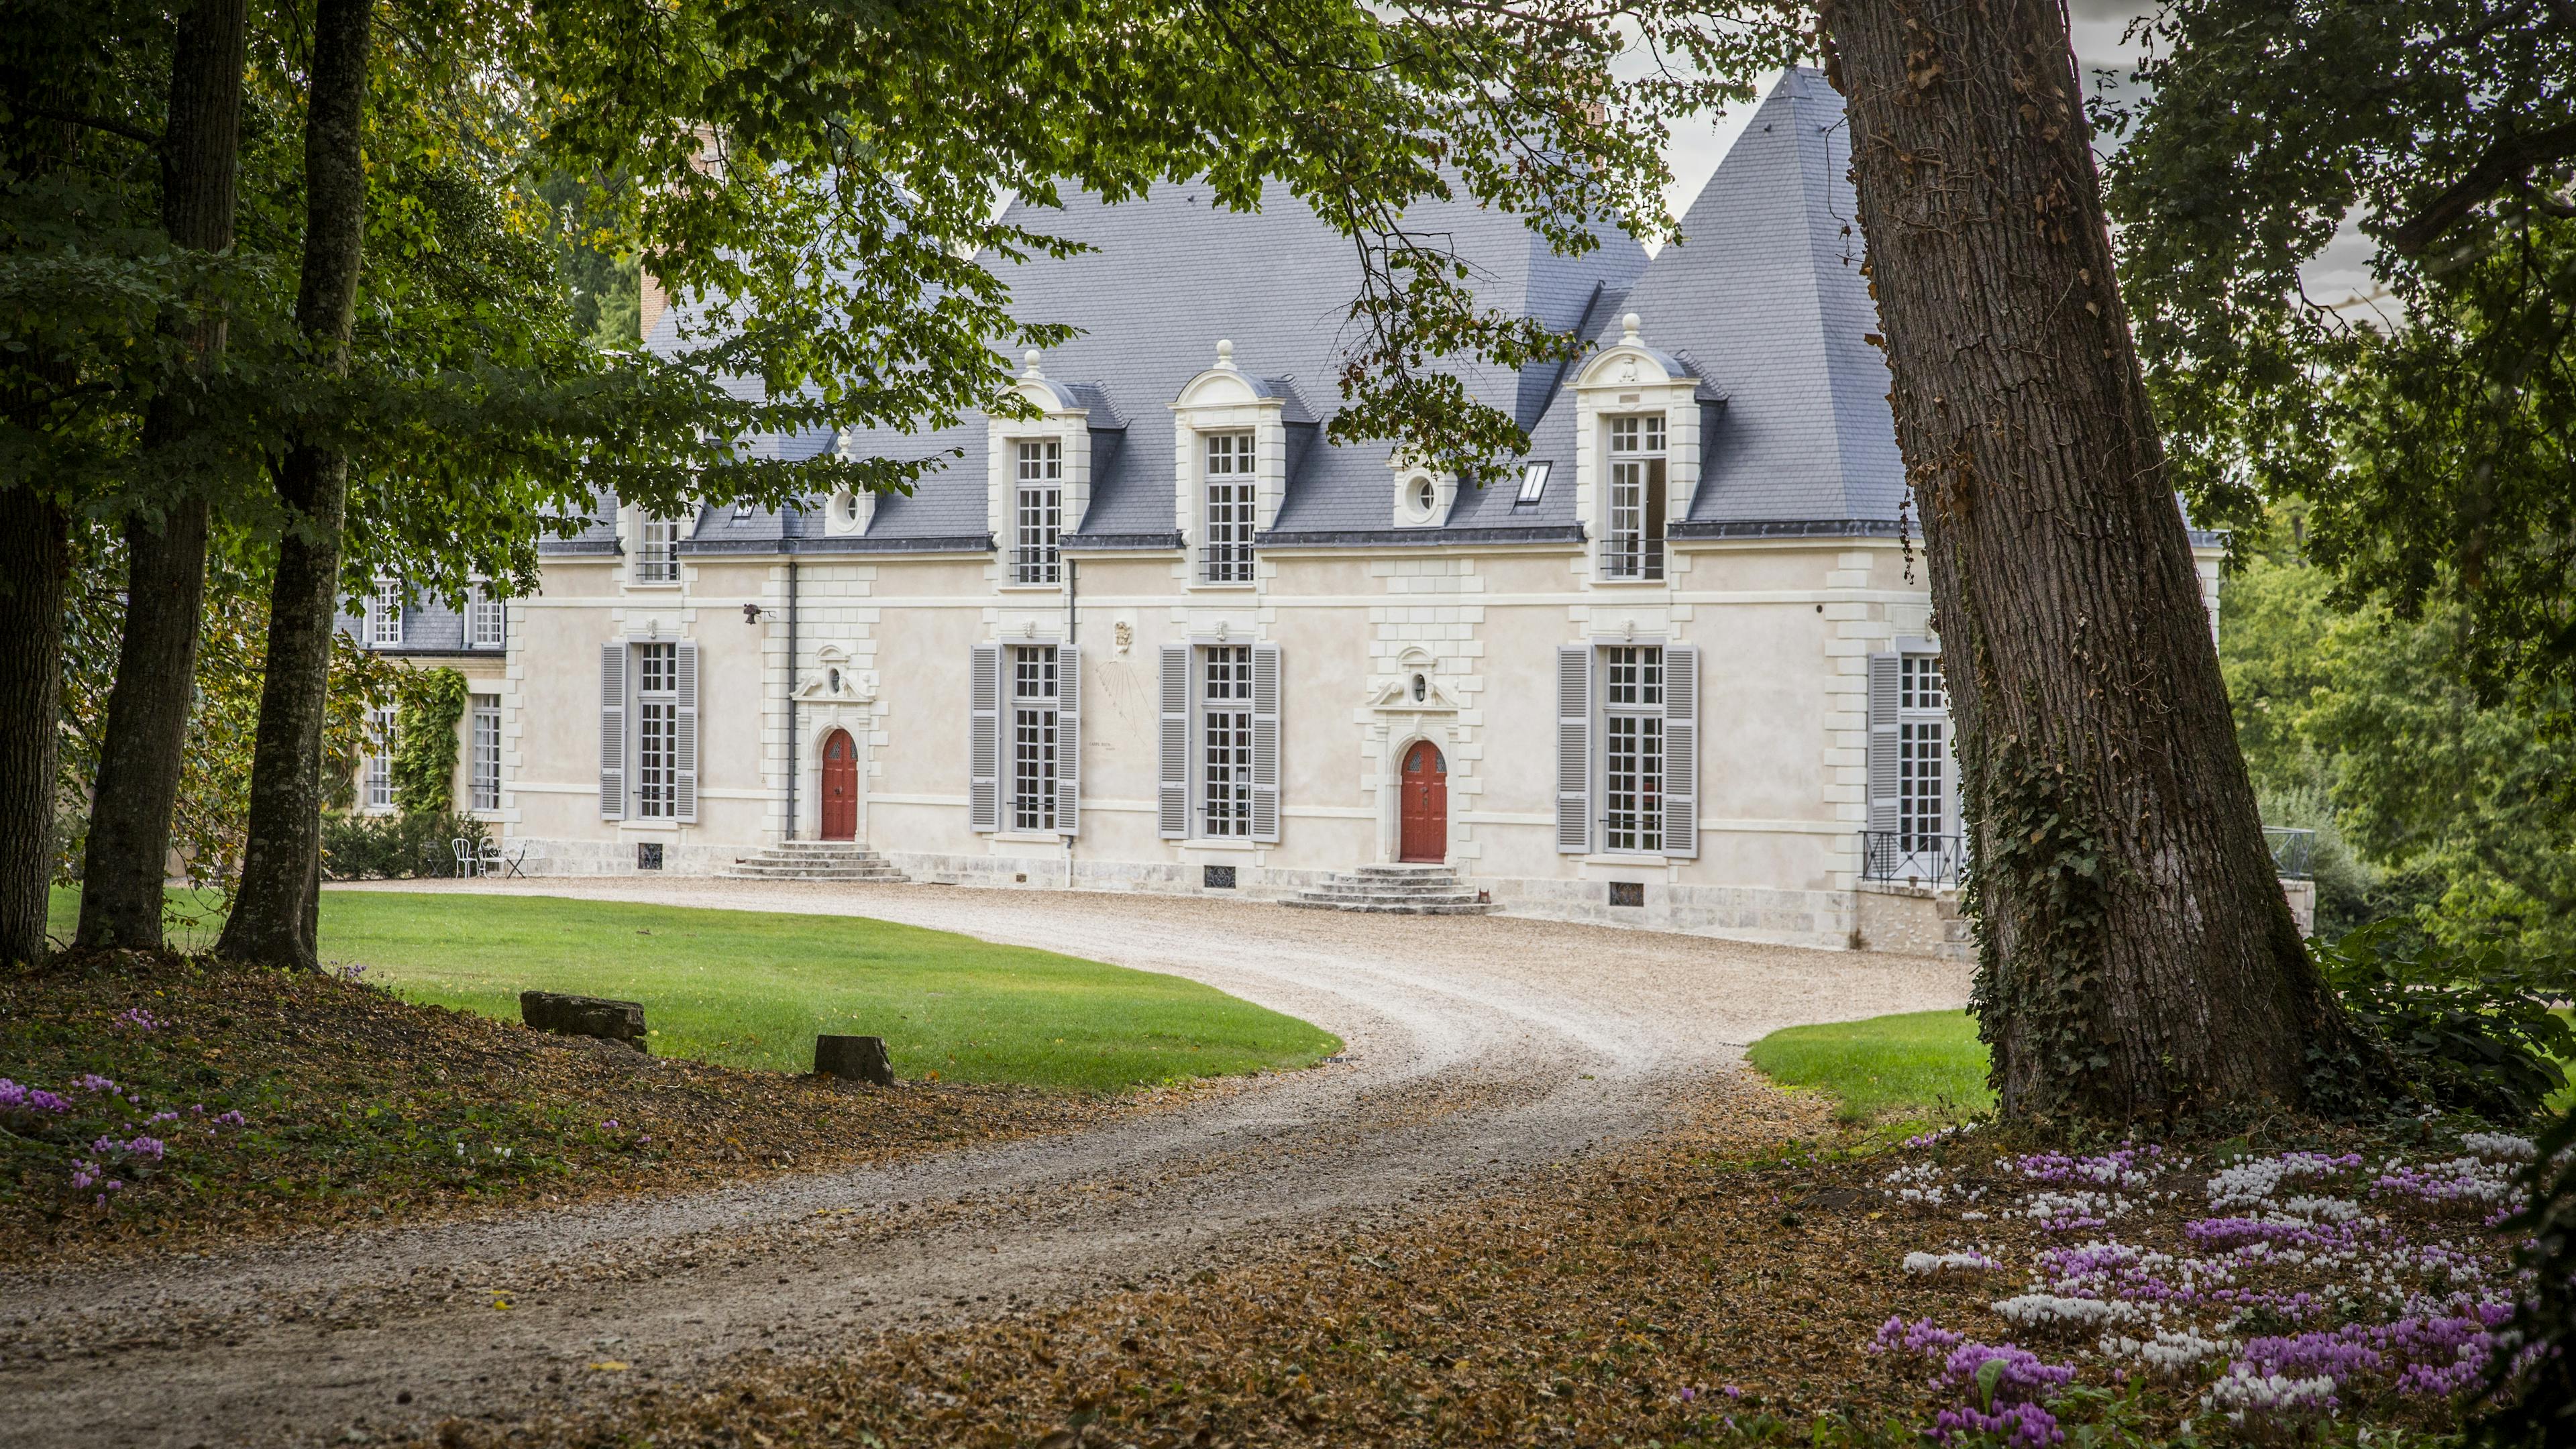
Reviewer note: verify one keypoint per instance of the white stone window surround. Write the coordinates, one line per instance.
(1627, 379)
(1060, 418)
(1223, 400)
(1424, 495)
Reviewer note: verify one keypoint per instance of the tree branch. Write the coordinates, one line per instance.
(101, 123)
(2503, 164)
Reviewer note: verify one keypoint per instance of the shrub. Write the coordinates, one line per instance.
(397, 847)
(2470, 1025)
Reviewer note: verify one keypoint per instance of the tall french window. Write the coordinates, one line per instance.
(1225, 735)
(1632, 720)
(380, 759)
(483, 760)
(1033, 736)
(1230, 509)
(1633, 545)
(1922, 753)
(657, 555)
(1038, 512)
(657, 721)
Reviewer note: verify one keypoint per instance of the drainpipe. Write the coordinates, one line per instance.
(1072, 639)
(795, 766)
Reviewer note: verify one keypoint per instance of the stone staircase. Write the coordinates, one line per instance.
(1395, 890)
(1958, 934)
(813, 860)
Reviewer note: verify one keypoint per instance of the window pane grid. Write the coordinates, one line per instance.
(1633, 545)
(1226, 785)
(384, 615)
(1230, 508)
(657, 724)
(1633, 748)
(658, 558)
(1033, 737)
(484, 776)
(1922, 753)
(380, 759)
(1039, 512)
(484, 621)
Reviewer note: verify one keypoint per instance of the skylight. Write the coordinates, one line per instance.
(1533, 483)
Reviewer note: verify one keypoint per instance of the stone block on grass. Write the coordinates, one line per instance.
(564, 1015)
(854, 1058)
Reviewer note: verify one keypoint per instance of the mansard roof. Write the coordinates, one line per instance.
(1762, 300)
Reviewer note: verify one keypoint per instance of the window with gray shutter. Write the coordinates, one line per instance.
(612, 731)
(1172, 752)
(1681, 751)
(983, 739)
(1885, 787)
(1574, 749)
(684, 731)
(1265, 743)
(1068, 741)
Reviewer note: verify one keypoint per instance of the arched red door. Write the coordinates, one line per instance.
(1425, 833)
(840, 787)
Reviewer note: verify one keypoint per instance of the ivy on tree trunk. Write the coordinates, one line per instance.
(273, 914)
(2136, 956)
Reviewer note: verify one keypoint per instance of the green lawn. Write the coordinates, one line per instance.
(1925, 1065)
(752, 989)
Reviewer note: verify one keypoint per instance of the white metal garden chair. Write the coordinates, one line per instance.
(467, 863)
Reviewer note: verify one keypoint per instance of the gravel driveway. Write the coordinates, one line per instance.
(1478, 1048)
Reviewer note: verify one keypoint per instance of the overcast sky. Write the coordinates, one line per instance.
(1695, 147)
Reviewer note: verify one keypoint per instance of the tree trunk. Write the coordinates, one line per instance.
(272, 917)
(35, 559)
(147, 709)
(2137, 959)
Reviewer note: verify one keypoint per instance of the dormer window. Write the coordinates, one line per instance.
(1037, 511)
(486, 623)
(1229, 508)
(1633, 546)
(657, 552)
(1426, 496)
(1533, 484)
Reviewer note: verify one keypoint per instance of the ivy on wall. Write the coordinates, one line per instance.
(430, 702)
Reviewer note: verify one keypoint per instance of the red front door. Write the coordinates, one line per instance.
(840, 787)
(1425, 835)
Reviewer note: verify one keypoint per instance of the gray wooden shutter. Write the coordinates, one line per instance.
(612, 731)
(1681, 751)
(684, 731)
(1574, 749)
(1883, 782)
(1068, 741)
(1172, 752)
(984, 740)
(1265, 743)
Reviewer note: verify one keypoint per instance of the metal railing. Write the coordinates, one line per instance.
(2293, 851)
(1910, 858)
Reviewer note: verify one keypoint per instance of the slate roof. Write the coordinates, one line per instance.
(1763, 299)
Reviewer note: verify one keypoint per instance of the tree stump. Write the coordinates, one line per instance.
(854, 1058)
(619, 1021)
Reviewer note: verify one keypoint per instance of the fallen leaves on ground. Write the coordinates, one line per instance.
(356, 1107)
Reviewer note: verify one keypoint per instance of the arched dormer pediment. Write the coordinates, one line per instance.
(1631, 363)
(1226, 386)
(1050, 397)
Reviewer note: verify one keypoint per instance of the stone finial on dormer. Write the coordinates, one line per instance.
(1029, 364)
(1628, 329)
(1224, 355)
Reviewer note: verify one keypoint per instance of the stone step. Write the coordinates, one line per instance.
(1470, 908)
(1356, 899)
(1393, 887)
